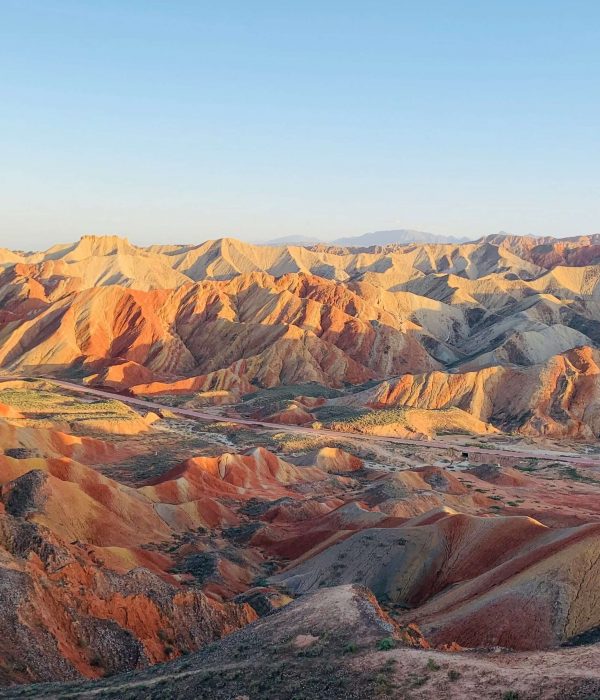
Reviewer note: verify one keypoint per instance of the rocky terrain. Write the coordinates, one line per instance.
(280, 546)
(338, 643)
(459, 322)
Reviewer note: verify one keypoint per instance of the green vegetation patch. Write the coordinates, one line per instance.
(267, 397)
(330, 414)
(41, 403)
(369, 419)
(574, 474)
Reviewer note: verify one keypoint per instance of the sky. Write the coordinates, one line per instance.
(182, 120)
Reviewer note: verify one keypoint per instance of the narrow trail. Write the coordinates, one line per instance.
(546, 455)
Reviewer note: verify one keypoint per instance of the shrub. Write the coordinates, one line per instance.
(389, 665)
(386, 644)
(453, 674)
(418, 681)
(383, 684)
(432, 665)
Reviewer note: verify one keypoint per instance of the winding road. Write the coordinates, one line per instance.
(471, 450)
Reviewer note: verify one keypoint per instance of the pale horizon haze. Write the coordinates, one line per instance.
(180, 121)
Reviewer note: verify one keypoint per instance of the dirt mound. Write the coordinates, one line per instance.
(442, 480)
(293, 414)
(502, 476)
(77, 503)
(242, 476)
(230, 380)
(55, 443)
(334, 459)
(121, 375)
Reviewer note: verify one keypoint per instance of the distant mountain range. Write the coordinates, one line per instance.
(396, 236)
(402, 236)
(292, 240)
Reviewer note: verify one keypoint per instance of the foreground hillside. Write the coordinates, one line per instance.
(338, 643)
(265, 564)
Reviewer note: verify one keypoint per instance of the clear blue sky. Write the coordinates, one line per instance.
(181, 120)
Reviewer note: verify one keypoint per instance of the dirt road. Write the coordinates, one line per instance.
(546, 455)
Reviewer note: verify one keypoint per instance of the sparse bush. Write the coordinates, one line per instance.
(418, 681)
(572, 473)
(389, 665)
(432, 665)
(453, 674)
(369, 419)
(510, 695)
(312, 651)
(386, 644)
(383, 683)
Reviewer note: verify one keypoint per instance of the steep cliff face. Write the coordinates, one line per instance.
(65, 613)
(273, 327)
(559, 398)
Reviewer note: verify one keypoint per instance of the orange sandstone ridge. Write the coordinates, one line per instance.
(220, 320)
